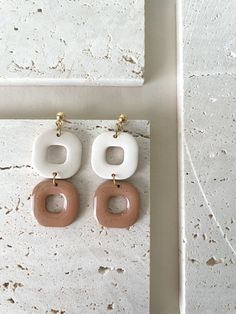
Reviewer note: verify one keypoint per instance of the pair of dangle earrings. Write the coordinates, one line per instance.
(57, 173)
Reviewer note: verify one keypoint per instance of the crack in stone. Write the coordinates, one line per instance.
(211, 74)
(14, 167)
(206, 200)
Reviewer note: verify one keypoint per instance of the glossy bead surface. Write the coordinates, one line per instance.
(103, 214)
(73, 148)
(98, 159)
(55, 219)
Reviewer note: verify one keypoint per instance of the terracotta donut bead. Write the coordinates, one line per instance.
(108, 190)
(59, 219)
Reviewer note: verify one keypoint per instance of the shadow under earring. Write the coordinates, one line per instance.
(116, 173)
(56, 172)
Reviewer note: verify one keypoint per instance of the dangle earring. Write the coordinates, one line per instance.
(116, 174)
(55, 172)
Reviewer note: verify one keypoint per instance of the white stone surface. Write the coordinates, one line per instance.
(85, 42)
(82, 268)
(210, 156)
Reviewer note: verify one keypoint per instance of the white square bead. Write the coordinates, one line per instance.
(99, 163)
(73, 148)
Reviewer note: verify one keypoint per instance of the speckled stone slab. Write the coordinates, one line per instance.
(82, 268)
(84, 42)
(209, 244)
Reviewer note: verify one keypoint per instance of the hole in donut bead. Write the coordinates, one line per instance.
(114, 155)
(55, 203)
(56, 154)
(117, 204)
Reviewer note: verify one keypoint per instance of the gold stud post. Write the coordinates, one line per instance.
(61, 117)
(122, 119)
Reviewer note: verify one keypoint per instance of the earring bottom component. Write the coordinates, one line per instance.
(103, 214)
(59, 219)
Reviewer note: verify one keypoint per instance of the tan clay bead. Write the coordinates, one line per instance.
(108, 190)
(64, 217)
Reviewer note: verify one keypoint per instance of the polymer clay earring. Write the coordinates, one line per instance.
(56, 172)
(115, 186)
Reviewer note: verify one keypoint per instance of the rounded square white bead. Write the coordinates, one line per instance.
(73, 148)
(98, 159)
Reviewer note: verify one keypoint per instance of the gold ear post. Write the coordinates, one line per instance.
(120, 124)
(61, 117)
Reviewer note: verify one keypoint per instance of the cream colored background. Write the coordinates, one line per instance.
(155, 101)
